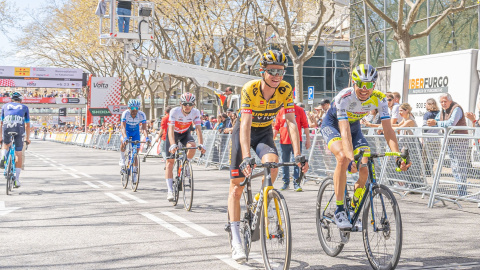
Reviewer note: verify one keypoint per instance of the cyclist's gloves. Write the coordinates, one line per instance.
(172, 147)
(246, 162)
(200, 147)
(125, 139)
(352, 163)
(405, 157)
(300, 159)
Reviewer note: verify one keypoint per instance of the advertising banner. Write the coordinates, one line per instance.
(117, 109)
(40, 77)
(105, 92)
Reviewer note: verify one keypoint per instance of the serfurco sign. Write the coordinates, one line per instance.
(428, 85)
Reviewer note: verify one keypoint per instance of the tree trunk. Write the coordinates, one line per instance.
(298, 77)
(152, 104)
(403, 41)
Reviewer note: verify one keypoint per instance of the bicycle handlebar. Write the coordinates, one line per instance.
(404, 155)
(273, 165)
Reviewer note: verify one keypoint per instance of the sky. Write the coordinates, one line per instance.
(24, 7)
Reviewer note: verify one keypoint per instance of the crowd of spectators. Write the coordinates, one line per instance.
(40, 94)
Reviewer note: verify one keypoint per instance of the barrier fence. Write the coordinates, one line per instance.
(445, 165)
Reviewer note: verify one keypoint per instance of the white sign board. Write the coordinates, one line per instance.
(40, 77)
(117, 109)
(310, 95)
(104, 92)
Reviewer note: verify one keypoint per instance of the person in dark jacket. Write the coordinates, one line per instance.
(432, 112)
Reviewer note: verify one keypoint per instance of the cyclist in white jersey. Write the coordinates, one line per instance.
(342, 133)
(131, 120)
(179, 122)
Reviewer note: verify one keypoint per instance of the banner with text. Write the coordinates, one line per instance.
(40, 77)
(105, 92)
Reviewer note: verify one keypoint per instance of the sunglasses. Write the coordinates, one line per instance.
(275, 72)
(134, 108)
(366, 85)
(187, 104)
(389, 99)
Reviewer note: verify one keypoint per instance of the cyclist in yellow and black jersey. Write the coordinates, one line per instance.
(261, 101)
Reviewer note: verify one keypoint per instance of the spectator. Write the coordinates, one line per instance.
(124, 11)
(219, 124)
(452, 115)
(228, 93)
(233, 119)
(228, 121)
(162, 133)
(286, 144)
(207, 124)
(395, 115)
(408, 120)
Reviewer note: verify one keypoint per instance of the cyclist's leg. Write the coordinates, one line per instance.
(135, 137)
(18, 157)
(189, 141)
(262, 142)
(169, 166)
(5, 145)
(286, 154)
(123, 145)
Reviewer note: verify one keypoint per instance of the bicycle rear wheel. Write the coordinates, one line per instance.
(327, 230)
(187, 185)
(382, 229)
(136, 177)
(276, 243)
(10, 183)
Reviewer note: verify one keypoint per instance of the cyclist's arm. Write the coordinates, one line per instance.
(27, 130)
(171, 134)
(245, 126)
(144, 130)
(198, 129)
(123, 129)
(346, 134)
(293, 132)
(389, 135)
(160, 133)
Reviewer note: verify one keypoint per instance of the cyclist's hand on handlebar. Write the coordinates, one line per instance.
(247, 165)
(173, 148)
(352, 167)
(302, 163)
(202, 148)
(28, 141)
(403, 161)
(125, 139)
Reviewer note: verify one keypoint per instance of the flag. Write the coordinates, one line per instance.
(272, 36)
(221, 99)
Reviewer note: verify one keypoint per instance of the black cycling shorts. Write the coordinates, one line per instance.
(18, 138)
(183, 138)
(261, 141)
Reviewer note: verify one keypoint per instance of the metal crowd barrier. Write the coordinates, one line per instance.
(445, 165)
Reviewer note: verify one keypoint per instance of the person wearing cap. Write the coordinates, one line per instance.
(321, 111)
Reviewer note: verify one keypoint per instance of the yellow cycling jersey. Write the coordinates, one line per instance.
(264, 111)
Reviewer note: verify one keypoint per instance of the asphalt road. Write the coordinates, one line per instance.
(72, 213)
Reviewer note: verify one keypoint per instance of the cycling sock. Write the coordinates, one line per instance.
(340, 207)
(134, 169)
(122, 154)
(235, 228)
(17, 173)
(170, 184)
(357, 196)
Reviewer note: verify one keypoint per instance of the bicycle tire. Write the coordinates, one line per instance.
(327, 230)
(176, 182)
(279, 235)
(9, 176)
(187, 185)
(135, 185)
(245, 231)
(381, 196)
(124, 172)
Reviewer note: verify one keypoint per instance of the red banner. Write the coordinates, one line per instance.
(31, 100)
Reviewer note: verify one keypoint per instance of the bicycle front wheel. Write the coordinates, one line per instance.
(9, 177)
(136, 176)
(187, 185)
(124, 176)
(327, 230)
(382, 229)
(176, 183)
(276, 233)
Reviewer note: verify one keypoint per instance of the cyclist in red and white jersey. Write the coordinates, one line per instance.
(179, 122)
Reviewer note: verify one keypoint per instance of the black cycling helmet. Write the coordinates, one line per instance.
(16, 96)
(273, 57)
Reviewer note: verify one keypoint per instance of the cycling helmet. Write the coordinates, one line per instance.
(273, 57)
(364, 73)
(133, 103)
(16, 96)
(187, 98)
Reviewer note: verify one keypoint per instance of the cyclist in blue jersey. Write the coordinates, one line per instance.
(342, 133)
(15, 117)
(131, 121)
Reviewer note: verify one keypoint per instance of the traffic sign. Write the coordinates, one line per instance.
(310, 94)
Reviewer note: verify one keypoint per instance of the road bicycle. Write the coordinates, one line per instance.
(183, 180)
(9, 171)
(266, 218)
(126, 171)
(381, 220)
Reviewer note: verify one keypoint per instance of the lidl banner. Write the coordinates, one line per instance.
(104, 92)
(40, 77)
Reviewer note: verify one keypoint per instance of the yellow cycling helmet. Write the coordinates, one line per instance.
(273, 57)
(364, 73)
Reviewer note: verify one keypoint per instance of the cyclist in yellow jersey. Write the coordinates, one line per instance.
(261, 100)
(342, 133)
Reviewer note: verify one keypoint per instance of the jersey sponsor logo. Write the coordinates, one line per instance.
(262, 102)
(235, 173)
(273, 101)
(292, 110)
(290, 104)
(349, 93)
(11, 121)
(244, 105)
(14, 107)
(255, 91)
(282, 90)
(246, 111)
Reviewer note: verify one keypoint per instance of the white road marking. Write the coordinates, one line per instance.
(133, 197)
(167, 225)
(190, 224)
(44, 161)
(75, 170)
(105, 184)
(470, 265)
(91, 184)
(4, 210)
(84, 174)
(74, 175)
(116, 198)
(228, 260)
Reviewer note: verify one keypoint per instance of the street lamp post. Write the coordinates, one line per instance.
(249, 63)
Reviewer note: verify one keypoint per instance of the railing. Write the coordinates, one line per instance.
(445, 166)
